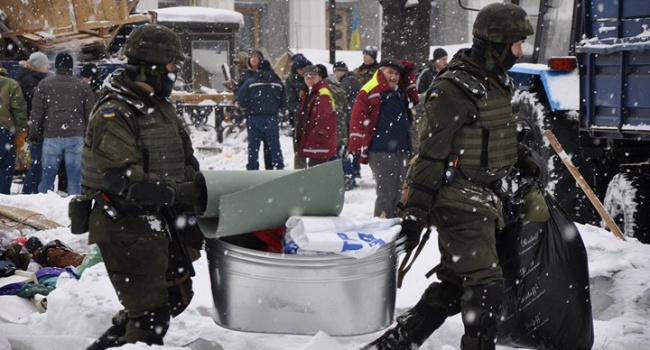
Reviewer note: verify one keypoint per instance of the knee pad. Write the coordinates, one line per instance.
(484, 296)
(442, 295)
(481, 305)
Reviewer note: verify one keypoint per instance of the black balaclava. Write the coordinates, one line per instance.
(495, 57)
(154, 75)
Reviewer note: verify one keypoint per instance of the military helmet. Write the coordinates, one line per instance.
(154, 43)
(502, 23)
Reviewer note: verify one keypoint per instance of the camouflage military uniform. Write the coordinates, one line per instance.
(468, 145)
(138, 164)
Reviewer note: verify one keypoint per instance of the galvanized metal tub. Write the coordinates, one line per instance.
(255, 291)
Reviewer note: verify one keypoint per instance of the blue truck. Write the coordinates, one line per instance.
(586, 77)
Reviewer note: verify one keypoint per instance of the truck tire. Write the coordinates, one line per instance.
(560, 181)
(628, 204)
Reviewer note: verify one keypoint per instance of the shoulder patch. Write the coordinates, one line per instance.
(109, 113)
(434, 93)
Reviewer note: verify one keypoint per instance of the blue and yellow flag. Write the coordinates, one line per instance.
(355, 38)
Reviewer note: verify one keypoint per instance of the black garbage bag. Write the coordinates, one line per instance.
(547, 302)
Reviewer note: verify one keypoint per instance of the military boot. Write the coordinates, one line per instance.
(150, 328)
(412, 329)
(114, 335)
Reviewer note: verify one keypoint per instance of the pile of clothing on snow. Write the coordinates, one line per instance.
(30, 269)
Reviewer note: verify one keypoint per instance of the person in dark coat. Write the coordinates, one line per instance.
(262, 97)
(469, 145)
(436, 64)
(90, 75)
(296, 89)
(60, 111)
(254, 58)
(31, 72)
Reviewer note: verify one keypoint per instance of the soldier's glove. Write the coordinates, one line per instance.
(191, 194)
(526, 163)
(411, 229)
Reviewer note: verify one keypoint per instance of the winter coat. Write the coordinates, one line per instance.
(350, 83)
(316, 127)
(365, 72)
(263, 94)
(61, 107)
(296, 89)
(365, 114)
(13, 115)
(28, 78)
(426, 78)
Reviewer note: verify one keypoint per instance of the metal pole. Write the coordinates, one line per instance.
(332, 12)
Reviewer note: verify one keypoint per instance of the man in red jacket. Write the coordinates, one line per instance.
(316, 128)
(379, 132)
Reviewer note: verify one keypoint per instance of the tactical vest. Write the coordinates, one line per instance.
(159, 145)
(486, 148)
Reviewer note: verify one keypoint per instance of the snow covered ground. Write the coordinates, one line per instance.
(80, 310)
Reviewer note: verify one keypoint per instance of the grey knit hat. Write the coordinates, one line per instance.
(38, 59)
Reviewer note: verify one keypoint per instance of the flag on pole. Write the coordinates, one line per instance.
(355, 38)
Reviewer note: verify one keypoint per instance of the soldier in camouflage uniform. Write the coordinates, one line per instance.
(138, 166)
(469, 145)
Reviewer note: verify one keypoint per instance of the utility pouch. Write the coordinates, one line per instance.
(79, 213)
(451, 167)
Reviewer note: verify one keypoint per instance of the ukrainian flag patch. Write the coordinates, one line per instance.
(434, 93)
(109, 113)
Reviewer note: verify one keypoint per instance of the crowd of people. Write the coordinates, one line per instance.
(43, 117)
(137, 162)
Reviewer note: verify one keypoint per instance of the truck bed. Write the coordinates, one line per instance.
(614, 60)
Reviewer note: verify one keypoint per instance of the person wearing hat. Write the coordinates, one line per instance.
(254, 58)
(349, 82)
(468, 145)
(380, 135)
(316, 124)
(436, 64)
(13, 127)
(138, 162)
(296, 89)
(60, 111)
(30, 73)
(262, 97)
(91, 76)
(369, 66)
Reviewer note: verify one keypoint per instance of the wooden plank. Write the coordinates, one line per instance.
(28, 217)
(197, 98)
(106, 24)
(583, 184)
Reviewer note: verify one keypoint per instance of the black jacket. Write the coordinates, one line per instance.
(263, 94)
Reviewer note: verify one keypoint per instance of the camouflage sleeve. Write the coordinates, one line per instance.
(113, 141)
(18, 108)
(447, 110)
